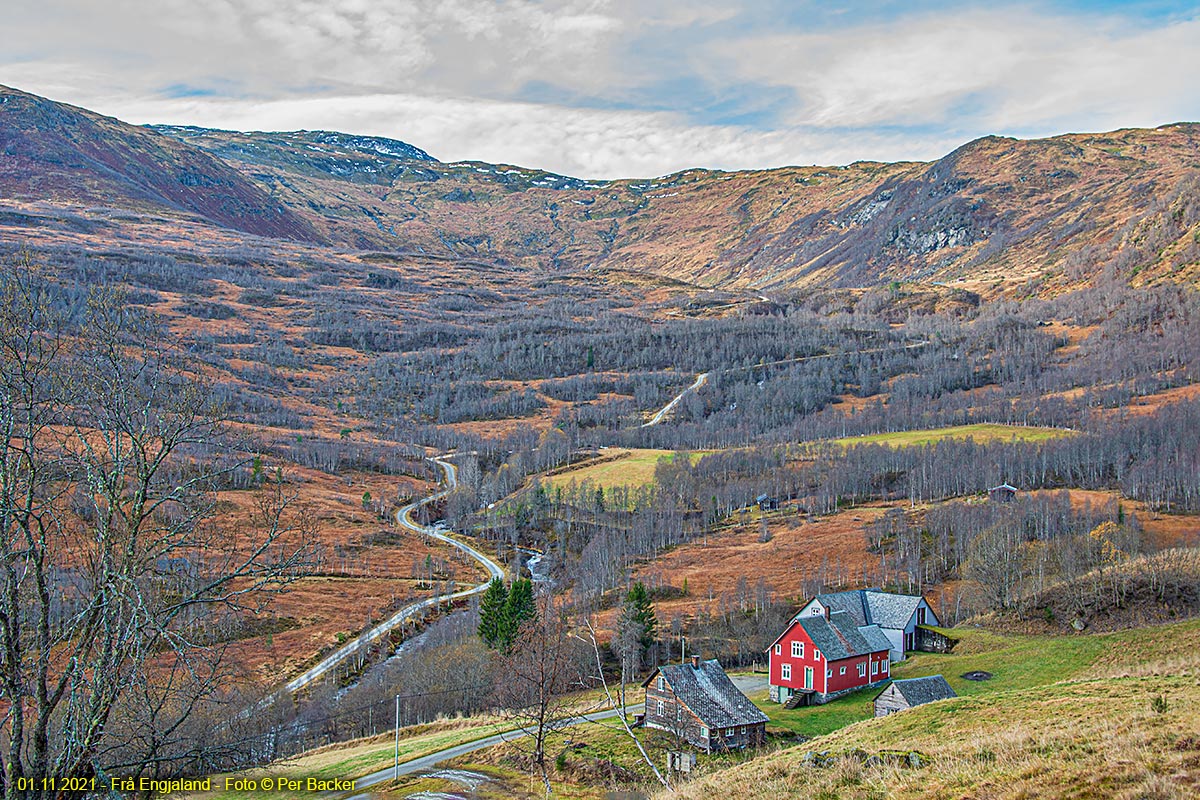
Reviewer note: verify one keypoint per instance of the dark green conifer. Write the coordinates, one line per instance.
(493, 614)
(641, 611)
(519, 608)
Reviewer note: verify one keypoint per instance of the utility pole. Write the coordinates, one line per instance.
(396, 766)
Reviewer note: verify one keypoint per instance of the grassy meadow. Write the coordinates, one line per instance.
(1062, 716)
(632, 467)
(980, 432)
(1101, 716)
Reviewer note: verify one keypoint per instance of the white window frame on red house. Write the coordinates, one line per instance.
(874, 667)
(785, 672)
(862, 669)
(883, 666)
(842, 671)
(816, 654)
(778, 649)
(797, 649)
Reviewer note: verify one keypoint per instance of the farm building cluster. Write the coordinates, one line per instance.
(844, 641)
(838, 643)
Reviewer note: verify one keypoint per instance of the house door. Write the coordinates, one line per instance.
(808, 677)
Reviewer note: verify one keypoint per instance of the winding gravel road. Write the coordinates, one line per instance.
(702, 378)
(404, 517)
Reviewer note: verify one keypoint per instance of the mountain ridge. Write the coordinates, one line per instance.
(56, 151)
(998, 215)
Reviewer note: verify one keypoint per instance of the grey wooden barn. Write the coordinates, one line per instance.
(910, 692)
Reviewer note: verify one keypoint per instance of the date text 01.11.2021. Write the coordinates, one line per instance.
(56, 785)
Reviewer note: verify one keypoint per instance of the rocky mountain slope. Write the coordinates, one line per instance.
(994, 215)
(55, 152)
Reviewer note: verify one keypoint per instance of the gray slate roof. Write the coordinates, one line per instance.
(924, 690)
(890, 610)
(838, 637)
(875, 637)
(850, 602)
(710, 694)
(873, 607)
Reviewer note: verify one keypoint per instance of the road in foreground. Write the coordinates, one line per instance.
(748, 684)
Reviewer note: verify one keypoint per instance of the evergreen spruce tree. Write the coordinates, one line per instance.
(641, 611)
(493, 614)
(519, 608)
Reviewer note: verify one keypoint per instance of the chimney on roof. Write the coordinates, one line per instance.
(695, 661)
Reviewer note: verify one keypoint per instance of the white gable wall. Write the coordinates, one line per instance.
(930, 617)
(813, 609)
(897, 637)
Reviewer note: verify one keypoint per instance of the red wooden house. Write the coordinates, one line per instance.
(818, 658)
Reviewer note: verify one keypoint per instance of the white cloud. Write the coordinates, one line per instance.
(450, 75)
(276, 47)
(994, 70)
(583, 143)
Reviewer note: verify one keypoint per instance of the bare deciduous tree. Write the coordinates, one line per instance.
(115, 576)
(621, 714)
(998, 563)
(546, 661)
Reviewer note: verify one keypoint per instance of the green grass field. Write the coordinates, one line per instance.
(982, 432)
(1051, 701)
(637, 467)
(361, 757)
(633, 470)
(1016, 663)
(1110, 715)
(1037, 680)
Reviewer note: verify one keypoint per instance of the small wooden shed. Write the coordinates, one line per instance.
(910, 692)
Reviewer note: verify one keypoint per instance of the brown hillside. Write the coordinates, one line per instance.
(52, 151)
(1148, 590)
(995, 216)
(994, 213)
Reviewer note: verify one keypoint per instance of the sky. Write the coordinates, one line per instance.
(621, 88)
